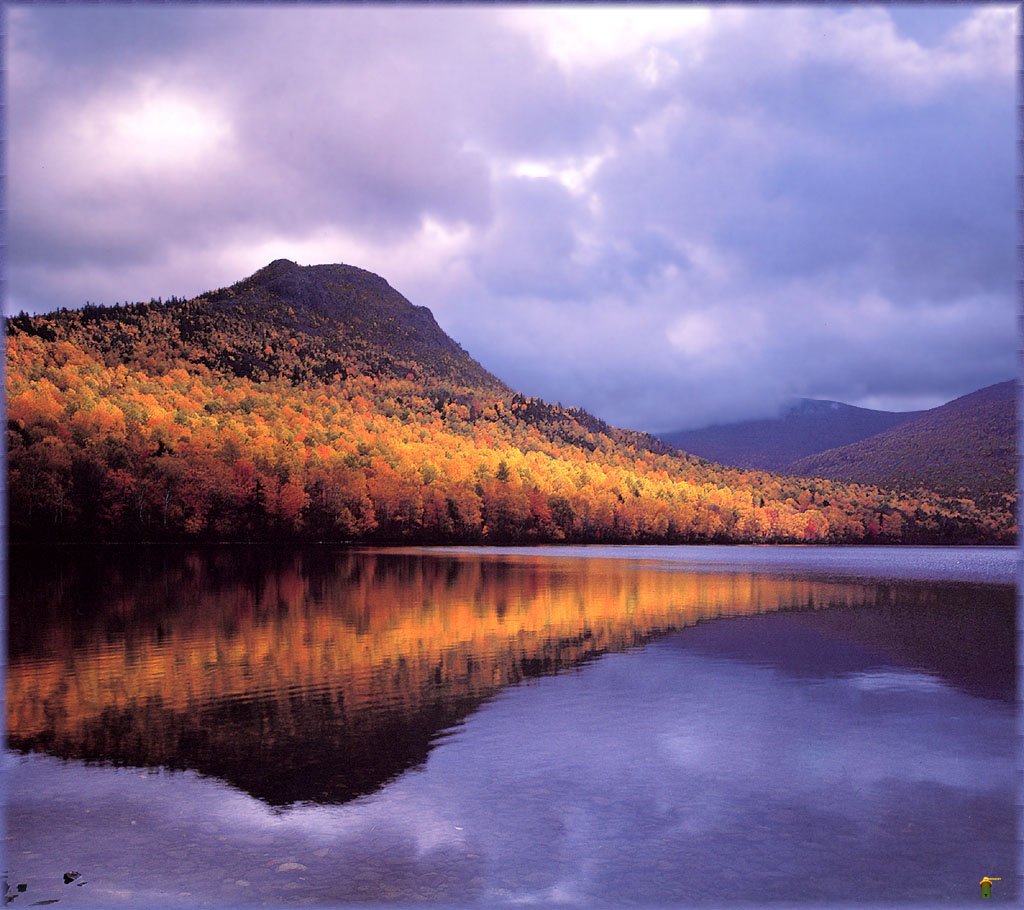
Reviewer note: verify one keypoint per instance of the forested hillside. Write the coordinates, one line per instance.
(317, 403)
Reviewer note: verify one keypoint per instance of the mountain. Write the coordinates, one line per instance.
(317, 403)
(342, 310)
(303, 323)
(773, 444)
(967, 447)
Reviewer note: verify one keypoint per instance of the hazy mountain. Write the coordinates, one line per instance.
(773, 444)
(966, 447)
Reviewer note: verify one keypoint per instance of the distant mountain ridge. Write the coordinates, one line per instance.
(772, 444)
(966, 447)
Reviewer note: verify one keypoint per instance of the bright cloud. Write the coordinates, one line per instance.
(590, 37)
(159, 130)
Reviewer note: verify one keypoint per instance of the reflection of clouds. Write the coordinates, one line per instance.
(894, 681)
(690, 747)
(628, 778)
(704, 755)
(860, 733)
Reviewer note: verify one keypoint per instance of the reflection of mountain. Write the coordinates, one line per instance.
(907, 628)
(319, 675)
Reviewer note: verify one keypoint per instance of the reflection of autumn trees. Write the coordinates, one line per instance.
(372, 624)
(333, 670)
(183, 420)
(320, 674)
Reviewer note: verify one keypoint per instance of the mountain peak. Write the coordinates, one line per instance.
(281, 264)
(274, 269)
(812, 407)
(305, 282)
(348, 312)
(804, 427)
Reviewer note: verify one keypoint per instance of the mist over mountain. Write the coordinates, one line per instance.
(804, 428)
(966, 447)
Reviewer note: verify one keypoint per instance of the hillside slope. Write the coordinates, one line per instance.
(772, 444)
(317, 403)
(967, 447)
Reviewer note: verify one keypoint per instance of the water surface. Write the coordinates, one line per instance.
(588, 727)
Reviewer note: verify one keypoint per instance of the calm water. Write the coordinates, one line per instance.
(555, 727)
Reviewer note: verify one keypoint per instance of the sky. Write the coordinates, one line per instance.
(669, 216)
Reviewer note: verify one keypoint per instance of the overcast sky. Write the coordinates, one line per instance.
(670, 216)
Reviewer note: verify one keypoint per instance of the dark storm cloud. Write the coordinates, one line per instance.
(538, 261)
(919, 193)
(665, 215)
(927, 24)
(100, 43)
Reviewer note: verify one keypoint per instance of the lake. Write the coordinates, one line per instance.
(569, 727)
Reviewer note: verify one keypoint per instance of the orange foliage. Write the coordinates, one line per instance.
(162, 446)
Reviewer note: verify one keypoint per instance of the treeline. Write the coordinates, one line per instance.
(132, 424)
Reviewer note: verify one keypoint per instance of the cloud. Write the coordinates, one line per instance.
(666, 215)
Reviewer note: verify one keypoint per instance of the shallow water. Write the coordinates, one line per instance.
(481, 728)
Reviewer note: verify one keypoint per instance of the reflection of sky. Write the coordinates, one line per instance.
(666, 774)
